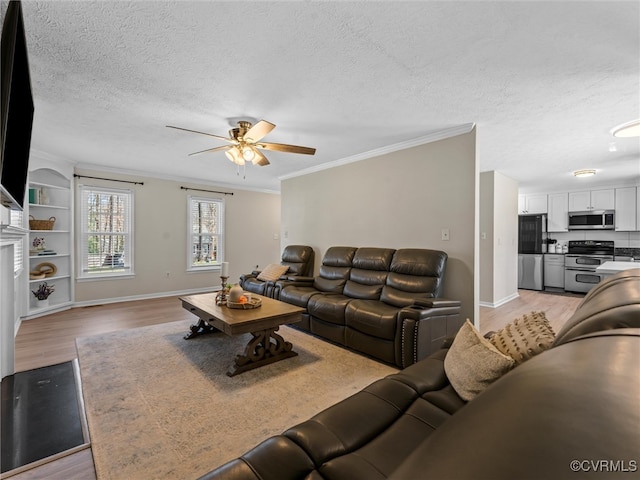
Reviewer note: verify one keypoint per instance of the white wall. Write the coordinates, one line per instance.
(398, 200)
(251, 221)
(487, 219)
(498, 239)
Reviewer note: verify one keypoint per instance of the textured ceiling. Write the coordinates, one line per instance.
(544, 82)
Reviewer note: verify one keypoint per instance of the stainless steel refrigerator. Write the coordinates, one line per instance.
(532, 232)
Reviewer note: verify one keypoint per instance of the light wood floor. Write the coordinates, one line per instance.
(50, 340)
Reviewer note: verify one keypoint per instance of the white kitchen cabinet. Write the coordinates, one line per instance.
(532, 204)
(626, 209)
(558, 215)
(592, 200)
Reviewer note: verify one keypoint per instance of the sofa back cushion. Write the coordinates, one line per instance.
(299, 259)
(611, 304)
(335, 269)
(369, 273)
(414, 274)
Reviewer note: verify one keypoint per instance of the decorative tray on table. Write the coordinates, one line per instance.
(254, 302)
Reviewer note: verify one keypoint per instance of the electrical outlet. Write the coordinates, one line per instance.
(445, 234)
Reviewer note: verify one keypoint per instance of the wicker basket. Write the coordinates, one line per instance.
(41, 224)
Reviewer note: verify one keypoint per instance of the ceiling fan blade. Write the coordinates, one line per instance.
(259, 158)
(282, 147)
(258, 131)
(214, 149)
(203, 133)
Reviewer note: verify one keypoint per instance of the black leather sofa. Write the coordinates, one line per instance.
(299, 259)
(378, 301)
(570, 412)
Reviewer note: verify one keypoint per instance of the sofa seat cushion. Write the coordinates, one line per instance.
(446, 399)
(296, 295)
(387, 415)
(329, 308)
(381, 456)
(372, 317)
(275, 458)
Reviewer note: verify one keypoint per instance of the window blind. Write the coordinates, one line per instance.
(106, 235)
(205, 239)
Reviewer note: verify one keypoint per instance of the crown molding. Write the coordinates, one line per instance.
(428, 138)
(49, 157)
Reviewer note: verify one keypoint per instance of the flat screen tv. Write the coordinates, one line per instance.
(17, 109)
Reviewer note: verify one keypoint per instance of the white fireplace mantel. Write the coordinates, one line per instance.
(9, 312)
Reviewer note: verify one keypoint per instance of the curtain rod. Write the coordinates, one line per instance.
(208, 191)
(109, 179)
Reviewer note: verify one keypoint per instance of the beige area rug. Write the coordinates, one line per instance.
(161, 407)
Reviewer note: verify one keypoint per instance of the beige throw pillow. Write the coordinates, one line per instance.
(473, 363)
(525, 337)
(272, 272)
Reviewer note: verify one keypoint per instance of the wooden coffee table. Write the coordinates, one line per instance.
(265, 346)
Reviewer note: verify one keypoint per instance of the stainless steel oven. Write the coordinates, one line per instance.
(581, 261)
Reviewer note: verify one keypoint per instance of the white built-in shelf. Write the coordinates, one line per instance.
(40, 205)
(50, 279)
(47, 185)
(57, 197)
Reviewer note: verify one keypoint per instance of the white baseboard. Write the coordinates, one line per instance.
(132, 298)
(500, 302)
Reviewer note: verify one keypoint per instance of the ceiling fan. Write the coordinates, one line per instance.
(245, 142)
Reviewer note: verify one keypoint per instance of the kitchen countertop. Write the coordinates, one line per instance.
(615, 267)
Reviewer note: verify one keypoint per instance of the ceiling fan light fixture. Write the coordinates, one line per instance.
(248, 154)
(629, 129)
(587, 172)
(235, 155)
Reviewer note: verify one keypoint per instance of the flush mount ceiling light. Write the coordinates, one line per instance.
(629, 129)
(584, 173)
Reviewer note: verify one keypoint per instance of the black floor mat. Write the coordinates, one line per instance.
(40, 415)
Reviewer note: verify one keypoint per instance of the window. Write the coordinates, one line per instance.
(106, 235)
(206, 230)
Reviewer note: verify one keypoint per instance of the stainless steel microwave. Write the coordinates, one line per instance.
(592, 220)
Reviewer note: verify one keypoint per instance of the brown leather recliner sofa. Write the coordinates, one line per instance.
(570, 412)
(378, 301)
(299, 259)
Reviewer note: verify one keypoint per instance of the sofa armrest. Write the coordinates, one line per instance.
(254, 273)
(435, 303)
(299, 279)
(425, 326)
